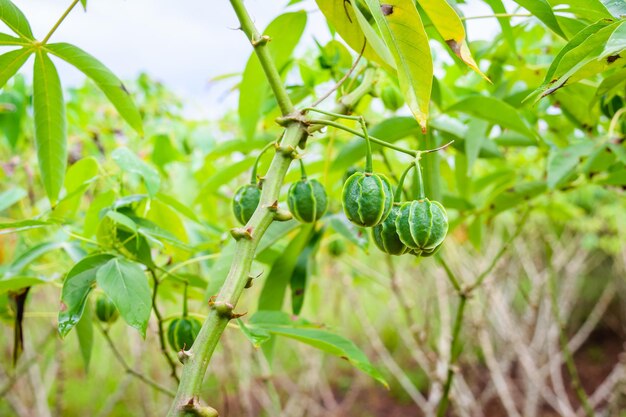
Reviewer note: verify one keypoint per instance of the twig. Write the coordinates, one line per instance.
(128, 369)
(58, 23)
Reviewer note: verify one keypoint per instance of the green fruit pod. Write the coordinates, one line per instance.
(367, 198)
(106, 310)
(391, 97)
(182, 332)
(245, 202)
(336, 248)
(422, 225)
(307, 200)
(385, 234)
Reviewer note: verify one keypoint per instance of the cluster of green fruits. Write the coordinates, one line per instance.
(417, 227)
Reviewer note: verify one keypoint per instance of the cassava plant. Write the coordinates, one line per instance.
(313, 164)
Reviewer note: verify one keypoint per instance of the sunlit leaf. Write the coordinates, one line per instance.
(50, 129)
(402, 30)
(543, 11)
(15, 19)
(129, 162)
(11, 62)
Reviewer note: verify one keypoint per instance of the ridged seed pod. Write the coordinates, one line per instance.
(307, 200)
(106, 310)
(422, 225)
(182, 332)
(245, 202)
(367, 198)
(385, 234)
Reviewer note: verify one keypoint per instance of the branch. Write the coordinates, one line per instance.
(159, 318)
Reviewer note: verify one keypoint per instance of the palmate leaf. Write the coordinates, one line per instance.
(450, 27)
(110, 85)
(8, 40)
(403, 31)
(15, 20)
(50, 129)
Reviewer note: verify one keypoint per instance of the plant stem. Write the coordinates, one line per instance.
(58, 23)
(253, 175)
(260, 48)
(302, 171)
(159, 318)
(128, 369)
(398, 195)
(420, 179)
(454, 354)
(357, 133)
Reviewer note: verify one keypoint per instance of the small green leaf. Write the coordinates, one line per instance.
(15, 283)
(50, 129)
(24, 225)
(11, 62)
(15, 19)
(301, 272)
(543, 11)
(79, 282)
(84, 4)
(495, 111)
(563, 162)
(110, 85)
(616, 7)
(476, 135)
(256, 336)
(11, 196)
(349, 230)
(126, 285)
(129, 162)
(30, 255)
(403, 31)
(8, 40)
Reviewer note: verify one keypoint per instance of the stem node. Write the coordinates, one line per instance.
(241, 233)
(260, 41)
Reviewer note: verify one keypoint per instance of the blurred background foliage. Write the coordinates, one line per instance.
(164, 200)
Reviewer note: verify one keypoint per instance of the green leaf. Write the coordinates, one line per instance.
(256, 336)
(30, 255)
(8, 40)
(543, 11)
(79, 282)
(50, 129)
(84, 332)
(495, 111)
(15, 20)
(84, 4)
(11, 62)
(126, 285)
(325, 341)
(11, 121)
(273, 293)
(474, 139)
(505, 23)
(301, 272)
(346, 21)
(110, 85)
(254, 86)
(15, 283)
(24, 225)
(11, 196)
(563, 162)
(349, 230)
(403, 32)
(451, 29)
(129, 162)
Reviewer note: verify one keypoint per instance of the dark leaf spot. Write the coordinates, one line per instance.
(611, 59)
(123, 87)
(387, 9)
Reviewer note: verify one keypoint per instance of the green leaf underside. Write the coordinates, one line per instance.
(403, 31)
(126, 285)
(15, 20)
(50, 128)
(318, 338)
(110, 85)
(78, 283)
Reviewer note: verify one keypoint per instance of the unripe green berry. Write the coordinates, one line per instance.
(182, 332)
(245, 202)
(105, 309)
(391, 97)
(367, 198)
(307, 200)
(422, 225)
(385, 234)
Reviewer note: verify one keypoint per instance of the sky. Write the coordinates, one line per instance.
(184, 43)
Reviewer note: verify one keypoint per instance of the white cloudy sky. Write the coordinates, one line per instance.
(182, 43)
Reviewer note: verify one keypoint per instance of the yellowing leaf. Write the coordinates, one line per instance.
(403, 31)
(450, 27)
(351, 26)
